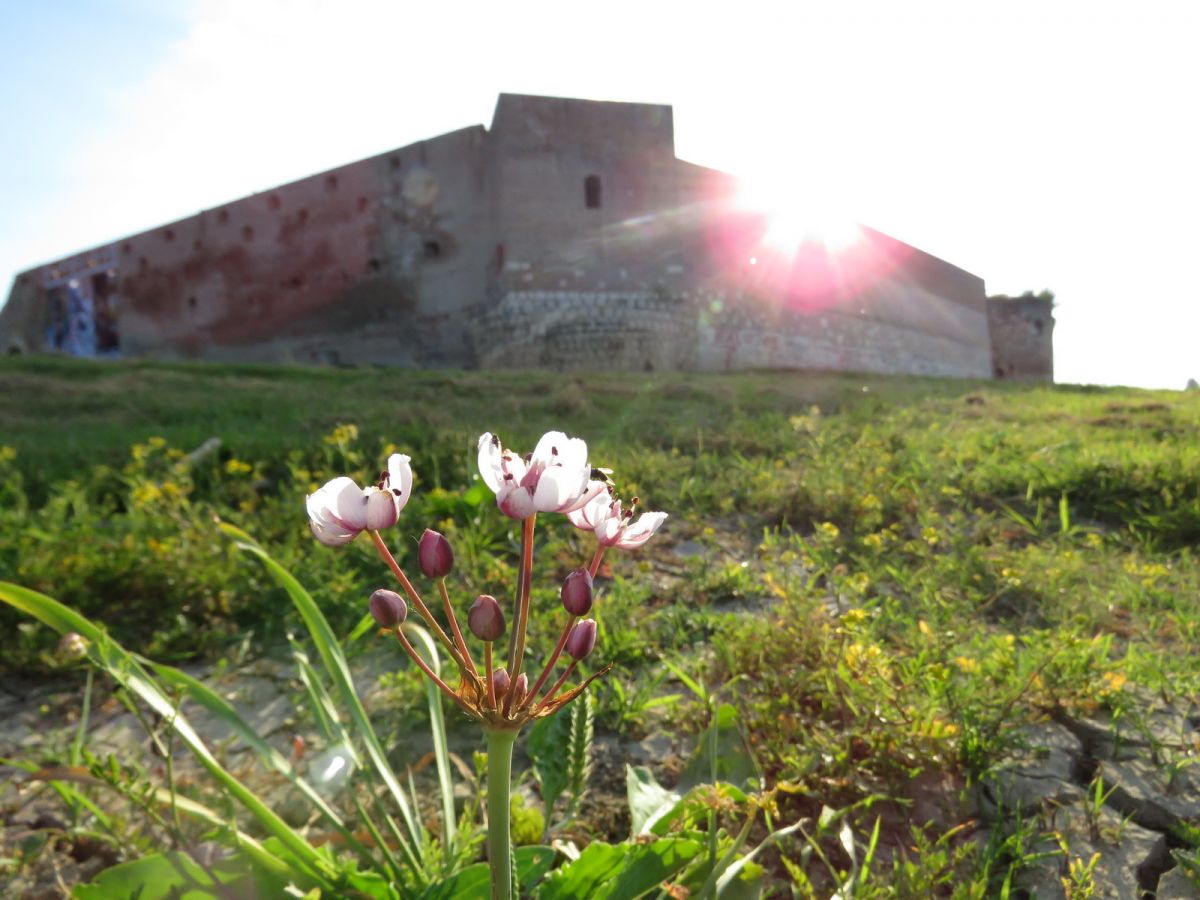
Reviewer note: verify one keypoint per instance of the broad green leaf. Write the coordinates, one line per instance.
(176, 876)
(547, 749)
(733, 761)
(620, 871)
(474, 882)
(648, 800)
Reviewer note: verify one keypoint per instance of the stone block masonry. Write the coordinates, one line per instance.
(565, 236)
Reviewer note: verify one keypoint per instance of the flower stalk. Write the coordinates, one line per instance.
(500, 743)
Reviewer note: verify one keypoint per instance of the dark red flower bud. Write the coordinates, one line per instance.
(582, 639)
(435, 554)
(520, 689)
(577, 593)
(485, 619)
(388, 608)
(500, 681)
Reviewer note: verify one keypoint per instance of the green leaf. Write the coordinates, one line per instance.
(126, 670)
(474, 882)
(547, 748)
(335, 664)
(176, 876)
(733, 761)
(621, 871)
(648, 800)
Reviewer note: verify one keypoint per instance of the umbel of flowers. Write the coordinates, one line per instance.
(555, 478)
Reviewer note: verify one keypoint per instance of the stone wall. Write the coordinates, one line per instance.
(566, 236)
(1022, 336)
(596, 330)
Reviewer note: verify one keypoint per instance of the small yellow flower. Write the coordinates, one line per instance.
(967, 664)
(237, 467)
(923, 627)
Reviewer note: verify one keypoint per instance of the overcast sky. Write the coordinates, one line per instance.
(1038, 145)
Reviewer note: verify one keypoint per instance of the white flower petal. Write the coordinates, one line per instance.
(490, 456)
(554, 489)
(641, 530)
(609, 531)
(594, 510)
(516, 502)
(573, 454)
(349, 505)
(549, 449)
(400, 478)
(331, 537)
(589, 491)
(381, 509)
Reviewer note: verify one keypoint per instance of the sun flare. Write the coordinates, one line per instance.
(795, 215)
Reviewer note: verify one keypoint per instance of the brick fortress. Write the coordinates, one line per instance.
(568, 236)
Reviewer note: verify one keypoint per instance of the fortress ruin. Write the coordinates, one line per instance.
(567, 235)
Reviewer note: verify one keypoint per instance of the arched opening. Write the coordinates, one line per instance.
(591, 192)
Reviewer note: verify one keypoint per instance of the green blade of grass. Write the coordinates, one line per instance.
(437, 725)
(210, 700)
(335, 664)
(126, 671)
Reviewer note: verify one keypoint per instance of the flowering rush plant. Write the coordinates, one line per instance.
(555, 478)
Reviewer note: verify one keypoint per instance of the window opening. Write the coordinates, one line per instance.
(591, 191)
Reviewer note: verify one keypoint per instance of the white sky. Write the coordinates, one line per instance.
(1035, 144)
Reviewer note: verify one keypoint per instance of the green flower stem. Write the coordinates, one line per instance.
(499, 760)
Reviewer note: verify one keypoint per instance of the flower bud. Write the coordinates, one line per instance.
(577, 592)
(520, 689)
(582, 639)
(500, 681)
(72, 647)
(435, 554)
(485, 619)
(388, 608)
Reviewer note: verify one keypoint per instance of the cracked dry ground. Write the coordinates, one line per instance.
(1117, 788)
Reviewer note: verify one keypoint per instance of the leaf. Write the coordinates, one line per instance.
(475, 882)
(648, 800)
(126, 670)
(621, 871)
(733, 762)
(547, 748)
(335, 664)
(176, 876)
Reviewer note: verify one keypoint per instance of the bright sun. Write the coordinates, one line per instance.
(797, 214)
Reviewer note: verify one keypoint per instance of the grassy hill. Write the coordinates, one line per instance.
(890, 574)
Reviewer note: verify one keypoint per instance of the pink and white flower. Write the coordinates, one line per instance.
(554, 478)
(341, 509)
(613, 526)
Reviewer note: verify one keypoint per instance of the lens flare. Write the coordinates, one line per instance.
(794, 215)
